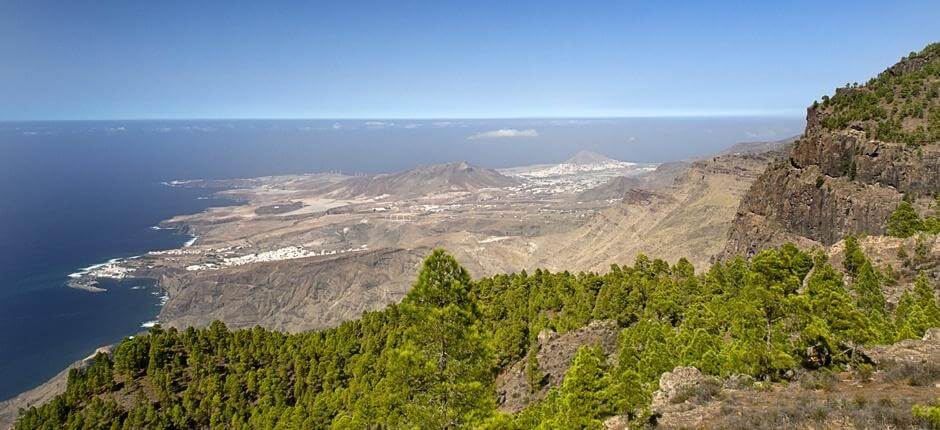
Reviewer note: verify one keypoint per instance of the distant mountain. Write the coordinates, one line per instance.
(588, 157)
(781, 146)
(424, 180)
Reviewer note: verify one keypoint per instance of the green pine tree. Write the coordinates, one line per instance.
(868, 292)
(854, 258)
(441, 374)
(904, 221)
(580, 402)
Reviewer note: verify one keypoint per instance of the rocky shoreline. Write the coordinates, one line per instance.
(85, 284)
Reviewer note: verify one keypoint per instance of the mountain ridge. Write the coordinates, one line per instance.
(851, 168)
(459, 176)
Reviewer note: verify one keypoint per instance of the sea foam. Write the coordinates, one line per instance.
(96, 269)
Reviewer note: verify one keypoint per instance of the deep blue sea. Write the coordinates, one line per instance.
(74, 194)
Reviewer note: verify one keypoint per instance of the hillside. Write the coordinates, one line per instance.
(739, 334)
(323, 291)
(863, 151)
(422, 181)
(688, 217)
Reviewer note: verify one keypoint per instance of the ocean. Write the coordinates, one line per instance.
(78, 193)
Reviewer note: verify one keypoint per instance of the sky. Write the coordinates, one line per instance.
(442, 59)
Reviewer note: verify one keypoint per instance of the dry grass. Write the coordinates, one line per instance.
(840, 411)
(699, 393)
(819, 380)
(914, 374)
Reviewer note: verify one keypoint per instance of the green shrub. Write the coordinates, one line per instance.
(904, 221)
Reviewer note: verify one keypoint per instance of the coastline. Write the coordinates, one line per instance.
(118, 269)
(10, 408)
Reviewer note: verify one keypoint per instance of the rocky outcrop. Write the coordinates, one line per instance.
(554, 355)
(837, 181)
(911, 351)
(674, 387)
(677, 402)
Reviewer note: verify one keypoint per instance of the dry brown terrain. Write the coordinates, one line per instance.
(307, 252)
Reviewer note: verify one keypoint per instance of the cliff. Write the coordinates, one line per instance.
(862, 151)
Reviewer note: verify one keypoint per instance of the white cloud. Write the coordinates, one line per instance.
(449, 124)
(504, 133)
(379, 124)
(114, 130)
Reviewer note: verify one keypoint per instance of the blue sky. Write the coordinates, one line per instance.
(442, 59)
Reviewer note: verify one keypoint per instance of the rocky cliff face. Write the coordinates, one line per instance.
(861, 153)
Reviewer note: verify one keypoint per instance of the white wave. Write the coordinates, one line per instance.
(178, 183)
(108, 269)
(190, 242)
(149, 324)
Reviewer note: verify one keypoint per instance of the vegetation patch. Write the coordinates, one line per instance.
(431, 361)
(896, 106)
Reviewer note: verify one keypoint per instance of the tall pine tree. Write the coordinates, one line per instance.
(441, 374)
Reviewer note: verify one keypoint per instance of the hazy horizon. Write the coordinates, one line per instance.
(258, 147)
